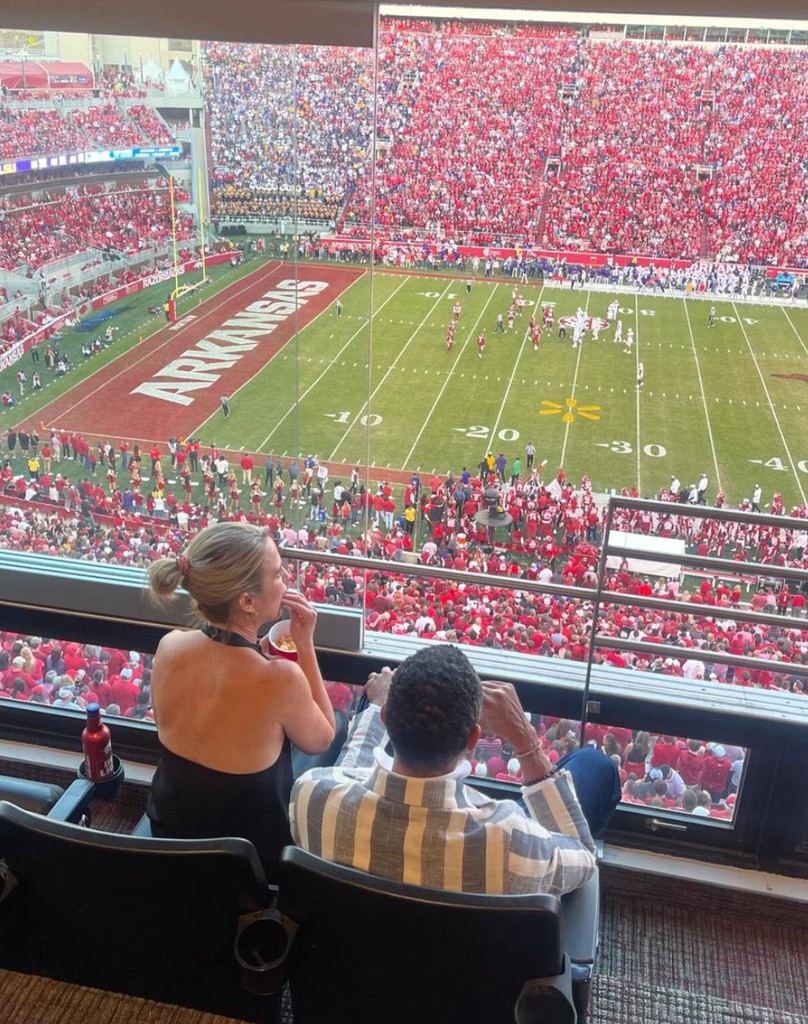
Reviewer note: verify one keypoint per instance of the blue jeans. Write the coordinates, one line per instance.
(597, 783)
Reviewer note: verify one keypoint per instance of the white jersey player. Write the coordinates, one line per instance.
(618, 332)
(629, 339)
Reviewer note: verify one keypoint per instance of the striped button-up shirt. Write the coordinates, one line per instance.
(438, 832)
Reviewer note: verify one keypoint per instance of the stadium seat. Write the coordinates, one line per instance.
(370, 950)
(39, 797)
(156, 918)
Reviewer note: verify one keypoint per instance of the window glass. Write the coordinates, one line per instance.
(69, 675)
(666, 774)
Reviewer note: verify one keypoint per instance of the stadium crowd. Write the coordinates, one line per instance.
(122, 509)
(489, 133)
(107, 126)
(238, 201)
(124, 217)
(40, 132)
(284, 117)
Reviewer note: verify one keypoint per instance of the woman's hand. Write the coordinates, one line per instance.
(303, 618)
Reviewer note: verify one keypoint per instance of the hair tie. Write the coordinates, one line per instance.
(183, 564)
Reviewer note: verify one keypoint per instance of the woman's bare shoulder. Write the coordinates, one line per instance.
(179, 639)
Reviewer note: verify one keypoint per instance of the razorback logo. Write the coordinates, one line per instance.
(589, 323)
(792, 376)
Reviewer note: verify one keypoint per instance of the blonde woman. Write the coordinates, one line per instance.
(226, 713)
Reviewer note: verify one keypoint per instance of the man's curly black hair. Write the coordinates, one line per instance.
(434, 703)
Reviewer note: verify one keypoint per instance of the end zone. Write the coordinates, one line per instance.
(171, 383)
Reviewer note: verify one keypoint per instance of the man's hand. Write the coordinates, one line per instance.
(378, 686)
(504, 716)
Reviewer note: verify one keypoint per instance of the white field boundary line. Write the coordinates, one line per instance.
(574, 383)
(176, 334)
(449, 376)
(402, 350)
(794, 329)
(515, 368)
(712, 297)
(791, 462)
(331, 362)
(113, 356)
(710, 435)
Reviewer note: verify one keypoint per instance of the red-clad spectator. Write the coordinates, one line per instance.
(717, 767)
(124, 691)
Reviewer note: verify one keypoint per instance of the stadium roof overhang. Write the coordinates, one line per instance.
(339, 22)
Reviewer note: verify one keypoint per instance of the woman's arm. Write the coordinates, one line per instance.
(301, 628)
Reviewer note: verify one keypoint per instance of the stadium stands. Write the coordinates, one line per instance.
(490, 133)
(106, 126)
(124, 217)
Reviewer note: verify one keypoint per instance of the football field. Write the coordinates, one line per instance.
(728, 400)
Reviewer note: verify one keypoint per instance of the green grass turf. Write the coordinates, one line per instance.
(710, 401)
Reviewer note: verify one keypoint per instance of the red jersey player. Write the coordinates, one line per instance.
(456, 309)
(535, 337)
(511, 315)
(480, 344)
(547, 315)
(450, 336)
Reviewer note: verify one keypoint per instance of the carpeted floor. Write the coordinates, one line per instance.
(618, 1001)
(675, 952)
(27, 1000)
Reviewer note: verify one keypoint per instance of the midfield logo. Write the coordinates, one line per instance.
(589, 322)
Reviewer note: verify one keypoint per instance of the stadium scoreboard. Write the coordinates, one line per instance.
(93, 156)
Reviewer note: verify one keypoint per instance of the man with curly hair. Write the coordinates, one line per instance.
(406, 813)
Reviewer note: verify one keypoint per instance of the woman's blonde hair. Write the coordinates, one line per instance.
(221, 562)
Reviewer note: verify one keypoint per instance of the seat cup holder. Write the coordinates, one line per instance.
(261, 946)
(108, 789)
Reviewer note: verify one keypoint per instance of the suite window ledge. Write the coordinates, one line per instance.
(726, 876)
(51, 757)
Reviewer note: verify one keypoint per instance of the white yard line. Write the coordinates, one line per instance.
(794, 329)
(258, 273)
(330, 365)
(703, 398)
(449, 377)
(791, 462)
(402, 350)
(513, 372)
(574, 382)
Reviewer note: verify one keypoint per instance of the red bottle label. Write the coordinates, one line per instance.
(98, 756)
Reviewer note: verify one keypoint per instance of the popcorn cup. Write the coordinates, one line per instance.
(281, 642)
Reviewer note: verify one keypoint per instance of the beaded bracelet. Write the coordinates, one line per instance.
(533, 782)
